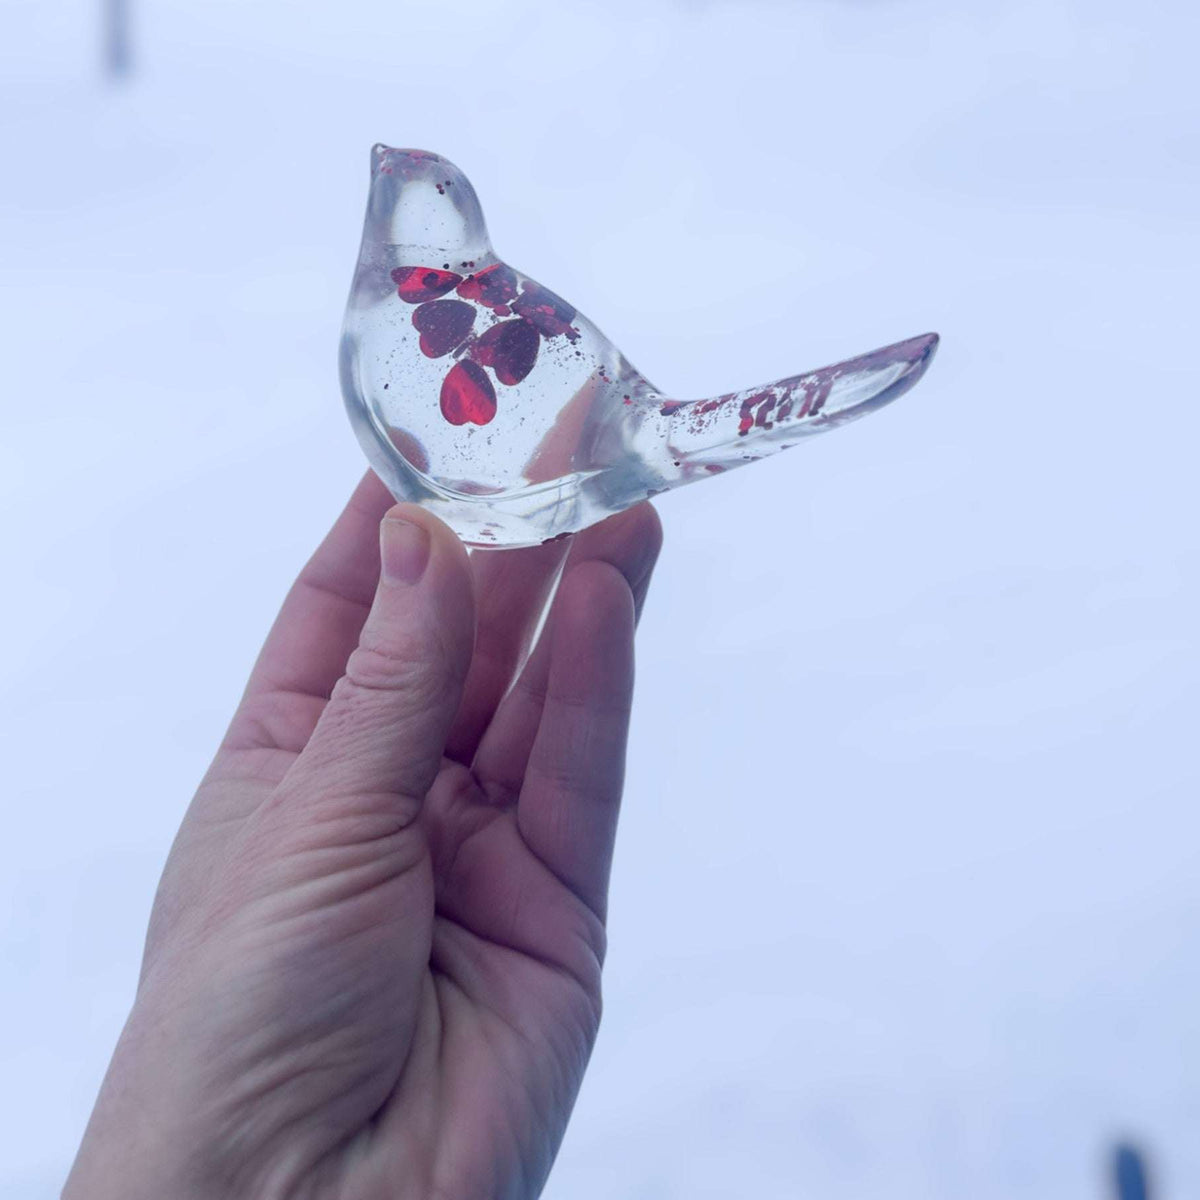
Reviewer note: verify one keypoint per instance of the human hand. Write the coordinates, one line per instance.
(373, 963)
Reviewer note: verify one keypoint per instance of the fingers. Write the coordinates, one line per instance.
(567, 811)
(381, 736)
(630, 542)
(511, 587)
(305, 653)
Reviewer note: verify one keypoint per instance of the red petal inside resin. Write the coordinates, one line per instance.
(443, 324)
(468, 395)
(492, 286)
(548, 313)
(509, 348)
(418, 284)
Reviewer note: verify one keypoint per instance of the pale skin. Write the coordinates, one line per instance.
(373, 964)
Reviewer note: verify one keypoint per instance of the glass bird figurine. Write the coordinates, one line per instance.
(494, 403)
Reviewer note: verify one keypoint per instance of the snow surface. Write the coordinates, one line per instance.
(907, 899)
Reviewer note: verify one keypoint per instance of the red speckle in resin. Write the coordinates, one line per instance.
(468, 395)
(763, 413)
(767, 409)
(549, 314)
(509, 348)
(492, 287)
(822, 395)
(814, 399)
(747, 418)
(443, 324)
(416, 285)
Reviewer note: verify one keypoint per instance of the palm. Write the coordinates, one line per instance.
(457, 994)
(512, 1000)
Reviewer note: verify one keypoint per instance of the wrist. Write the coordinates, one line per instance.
(129, 1150)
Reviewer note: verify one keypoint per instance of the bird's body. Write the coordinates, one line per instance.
(483, 395)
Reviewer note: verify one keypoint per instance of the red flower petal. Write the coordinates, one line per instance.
(468, 395)
(418, 284)
(549, 314)
(492, 287)
(443, 324)
(509, 348)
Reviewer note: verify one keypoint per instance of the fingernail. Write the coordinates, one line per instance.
(404, 550)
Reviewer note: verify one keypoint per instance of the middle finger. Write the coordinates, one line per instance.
(511, 589)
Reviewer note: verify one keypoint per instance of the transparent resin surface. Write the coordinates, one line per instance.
(483, 396)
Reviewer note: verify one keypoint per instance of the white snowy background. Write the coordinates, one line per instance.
(907, 899)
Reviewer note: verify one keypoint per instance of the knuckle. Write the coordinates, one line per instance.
(405, 662)
(580, 777)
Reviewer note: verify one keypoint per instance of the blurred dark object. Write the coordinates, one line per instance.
(1129, 1173)
(118, 59)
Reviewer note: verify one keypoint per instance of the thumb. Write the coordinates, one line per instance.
(380, 738)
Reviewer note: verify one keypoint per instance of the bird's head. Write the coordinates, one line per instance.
(424, 209)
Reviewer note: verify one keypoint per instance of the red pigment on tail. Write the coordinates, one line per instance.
(416, 285)
(763, 413)
(443, 324)
(509, 348)
(747, 417)
(468, 395)
(823, 390)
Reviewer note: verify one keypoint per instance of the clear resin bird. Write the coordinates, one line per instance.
(494, 403)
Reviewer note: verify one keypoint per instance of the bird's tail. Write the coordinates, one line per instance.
(709, 436)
